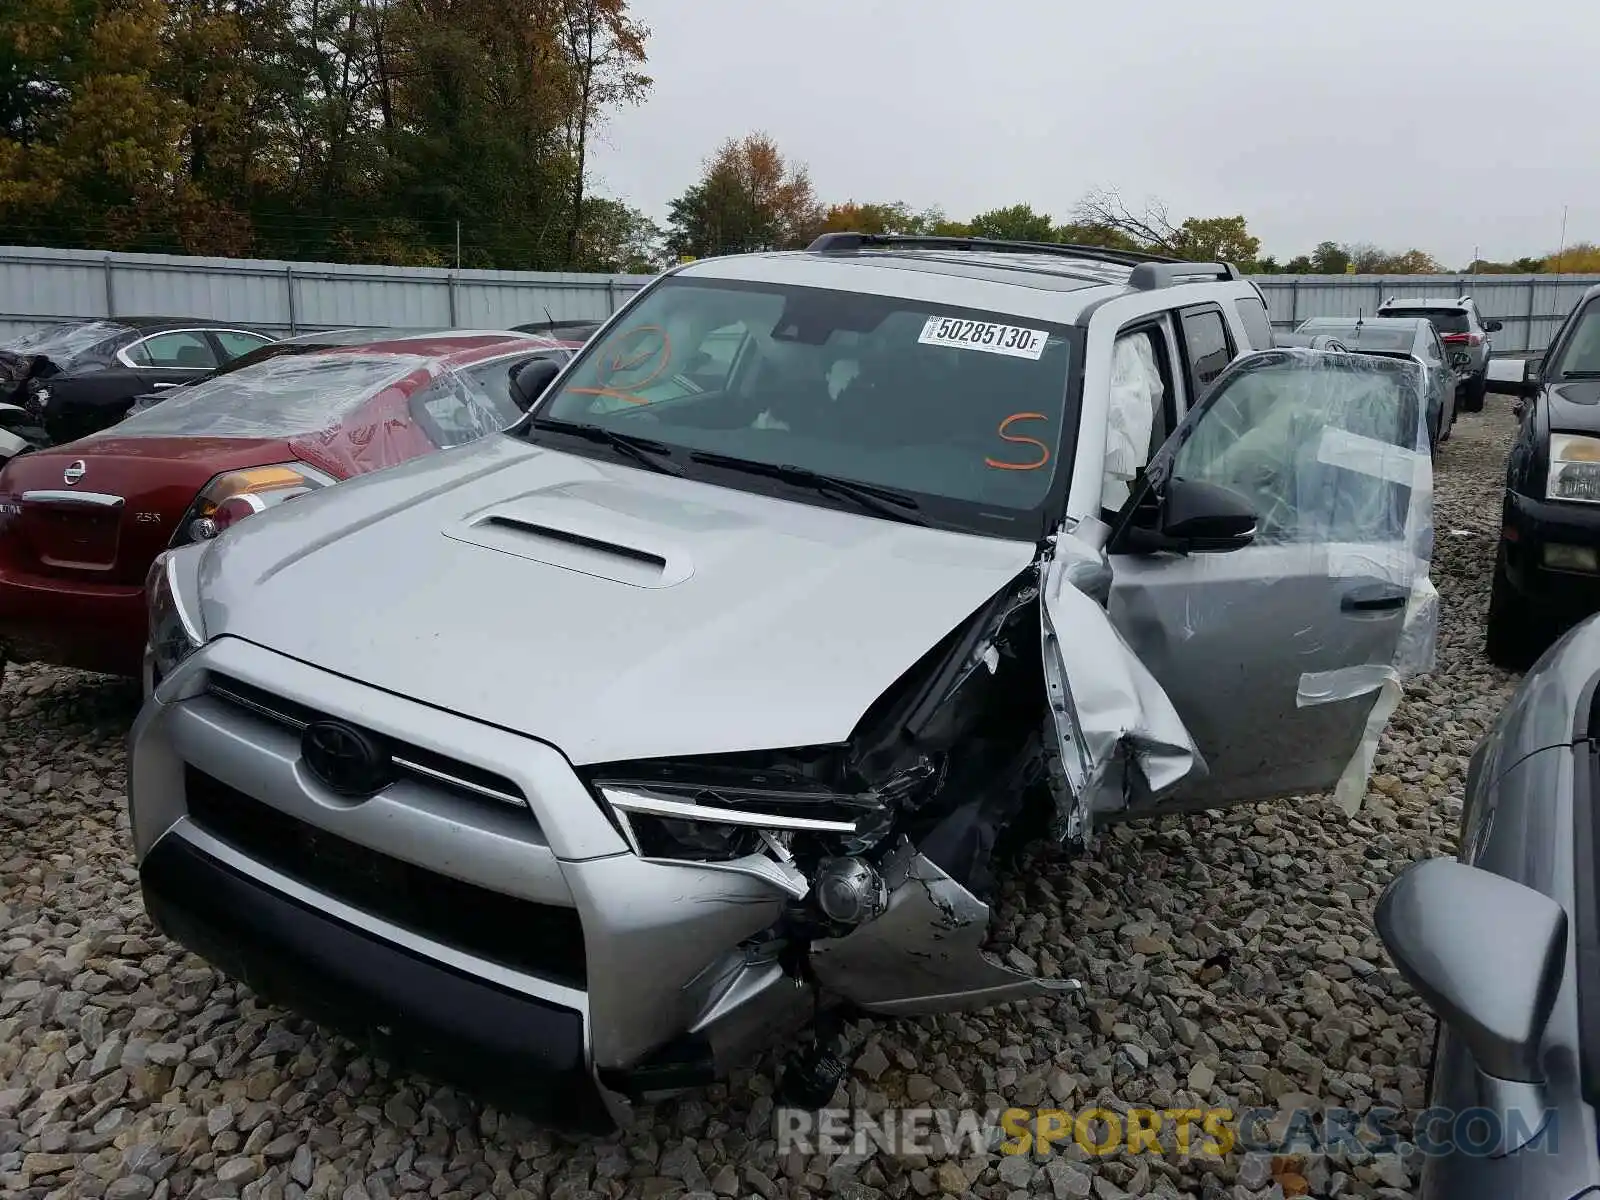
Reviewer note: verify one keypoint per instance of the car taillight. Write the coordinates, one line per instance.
(1462, 339)
(230, 497)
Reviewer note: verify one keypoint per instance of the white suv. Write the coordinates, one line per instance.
(589, 758)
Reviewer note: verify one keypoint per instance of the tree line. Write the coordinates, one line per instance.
(750, 197)
(440, 133)
(348, 130)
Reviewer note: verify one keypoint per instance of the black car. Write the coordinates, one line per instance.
(1503, 944)
(76, 379)
(1547, 567)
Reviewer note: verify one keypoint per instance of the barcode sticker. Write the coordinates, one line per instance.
(983, 335)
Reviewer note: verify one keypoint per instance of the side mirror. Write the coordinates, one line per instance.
(1492, 326)
(529, 381)
(1196, 517)
(1512, 376)
(1436, 918)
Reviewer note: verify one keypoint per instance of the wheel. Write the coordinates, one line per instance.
(1514, 636)
(1472, 395)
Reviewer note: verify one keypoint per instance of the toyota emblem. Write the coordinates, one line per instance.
(74, 472)
(345, 760)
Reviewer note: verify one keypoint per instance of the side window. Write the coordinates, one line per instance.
(184, 350)
(1142, 409)
(1432, 348)
(459, 408)
(1206, 345)
(1257, 324)
(1322, 453)
(235, 342)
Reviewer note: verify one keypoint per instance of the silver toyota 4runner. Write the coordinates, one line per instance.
(584, 761)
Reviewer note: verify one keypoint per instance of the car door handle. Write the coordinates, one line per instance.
(1372, 600)
(162, 386)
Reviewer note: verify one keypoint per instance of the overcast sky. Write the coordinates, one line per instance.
(1405, 123)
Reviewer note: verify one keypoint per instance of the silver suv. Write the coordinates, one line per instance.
(1465, 335)
(582, 762)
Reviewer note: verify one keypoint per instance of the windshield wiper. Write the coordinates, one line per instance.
(1580, 374)
(884, 501)
(647, 452)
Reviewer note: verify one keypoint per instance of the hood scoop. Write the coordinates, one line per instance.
(575, 545)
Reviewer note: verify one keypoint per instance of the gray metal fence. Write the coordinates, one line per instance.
(1531, 307)
(39, 285)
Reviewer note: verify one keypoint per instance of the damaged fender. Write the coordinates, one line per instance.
(925, 954)
(1117, 739)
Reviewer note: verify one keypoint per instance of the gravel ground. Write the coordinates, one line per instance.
(1227, 960)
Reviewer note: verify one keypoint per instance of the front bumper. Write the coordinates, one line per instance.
(520, 1051)
(91, 626)
(1528, 529)
(438, 920)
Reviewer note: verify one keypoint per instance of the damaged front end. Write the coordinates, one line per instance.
(888, 849)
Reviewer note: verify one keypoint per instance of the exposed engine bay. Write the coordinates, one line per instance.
(890, 847)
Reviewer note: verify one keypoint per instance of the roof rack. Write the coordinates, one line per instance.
(1150, 270)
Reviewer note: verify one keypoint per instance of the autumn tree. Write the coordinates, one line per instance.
(1580, 258)
(346, 129)
(894, 217)
(605, 49)
(748, 198)
(1206, 239)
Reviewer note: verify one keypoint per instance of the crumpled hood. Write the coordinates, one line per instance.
(611, 611)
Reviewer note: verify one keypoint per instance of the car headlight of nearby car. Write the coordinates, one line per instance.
(230, 497)
(1574, 468)
(175, 632)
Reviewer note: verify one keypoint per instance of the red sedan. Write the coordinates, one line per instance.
(81, 524)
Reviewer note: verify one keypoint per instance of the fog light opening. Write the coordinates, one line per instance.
(1571, 558)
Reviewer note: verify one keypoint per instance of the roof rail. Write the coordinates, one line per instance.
(1147, 277)
(1150, 270)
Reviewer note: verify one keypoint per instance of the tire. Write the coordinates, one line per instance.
(1473, 394)
(1513, 635)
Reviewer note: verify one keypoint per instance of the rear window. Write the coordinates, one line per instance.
(1370, 337)
(287, 396)
(63, 343)
(1445, 320)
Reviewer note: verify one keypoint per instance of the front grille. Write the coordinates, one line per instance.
(539, 939)
(437, 769)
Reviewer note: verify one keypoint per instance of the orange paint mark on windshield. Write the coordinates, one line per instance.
(654, 349)
(1020, 440)
(610, 394)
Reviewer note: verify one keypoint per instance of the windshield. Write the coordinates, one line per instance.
(1369, 337)
(1445, 320)
(964, 410)
(63, 343)
(286, 396)
(1581, 353)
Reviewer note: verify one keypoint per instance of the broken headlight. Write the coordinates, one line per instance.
(794, 804)
(719, 823)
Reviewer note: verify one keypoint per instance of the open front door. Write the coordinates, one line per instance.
(1282, 649)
